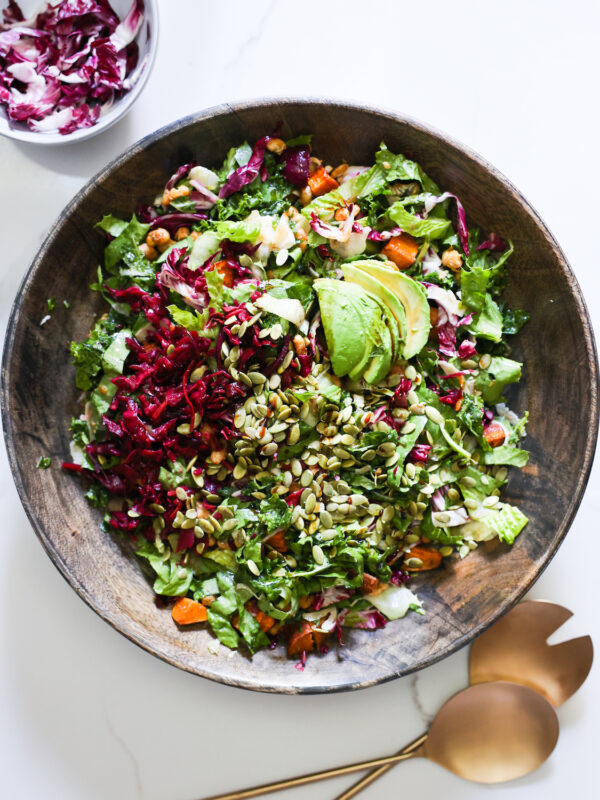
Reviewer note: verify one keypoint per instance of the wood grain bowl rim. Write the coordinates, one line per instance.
(267, 104)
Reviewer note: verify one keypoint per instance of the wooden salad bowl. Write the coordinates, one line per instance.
(560, 389)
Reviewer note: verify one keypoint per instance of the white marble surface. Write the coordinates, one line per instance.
(88, 716)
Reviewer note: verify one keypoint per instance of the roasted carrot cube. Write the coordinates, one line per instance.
(402, 250)
(321, 182)
(188, 612)
(494, 434)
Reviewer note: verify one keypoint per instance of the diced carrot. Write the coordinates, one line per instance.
(402, 250)
(430, 557)
(225, 272)
(494, 434)
(458, 404)
(369, 583)
(433, 316)
(302, 640)
(321, 182)
(264, 620)
(341, 214)
(188, 612)
(306, 601)
(277, 541)
(208, 600)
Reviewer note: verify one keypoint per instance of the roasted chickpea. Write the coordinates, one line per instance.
(276, 146)
(181, 233)
(451, 259)
(148, 252)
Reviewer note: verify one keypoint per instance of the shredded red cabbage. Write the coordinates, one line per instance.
(66, 64)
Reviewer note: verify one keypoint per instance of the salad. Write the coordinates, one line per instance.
(293, 406)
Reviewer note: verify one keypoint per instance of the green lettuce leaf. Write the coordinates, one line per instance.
(243, 231)
(403, 169)
(127, 241)
(507, 523)
(192, 320)
(432, 227)
(223, 630)
(111, 225)
(487, 324)
(507, 455)
(492, 382)
(115, 355)
(172, 579)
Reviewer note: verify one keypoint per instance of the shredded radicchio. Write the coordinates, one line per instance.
(242, 176)
(67, 64)
(383, 236)
(461, 217)
(494, 244)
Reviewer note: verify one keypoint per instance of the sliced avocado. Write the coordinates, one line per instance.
(349, 315)
(373, 285)
(392, 326)
(381, 360)
(412, 296)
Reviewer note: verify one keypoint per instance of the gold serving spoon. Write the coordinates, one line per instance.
(516, 649)
(489, 733)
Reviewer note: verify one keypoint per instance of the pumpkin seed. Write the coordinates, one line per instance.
(471, 504)
(413, 563)
(257, 378)
(446, 551)
(276, 331)
(328, 534)
(310, 503)
(326, 519)
(410, 372)
(485, 361)
(239, 470)
(434, 415)
(318, 554)
(274, 381)
(469, 482)
(388, 514)
(306, 478)
(197, 374)
(491, 501)
(252, 567)
(205, 525)
(296, 468)
(294, 434)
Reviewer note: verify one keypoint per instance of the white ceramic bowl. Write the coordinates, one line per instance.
(147, 40)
